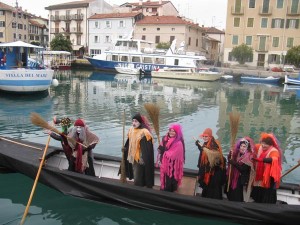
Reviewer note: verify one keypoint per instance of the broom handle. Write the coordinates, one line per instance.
(123, 172)
(35, 181)
(290, 170)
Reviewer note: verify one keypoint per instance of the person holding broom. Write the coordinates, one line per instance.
(242, 171)
(171, 151)
(139, 151)
(211, 164)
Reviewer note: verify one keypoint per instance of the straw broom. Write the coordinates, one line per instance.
(153, 112)
(37, 120)
(123, 169)
(234, 118)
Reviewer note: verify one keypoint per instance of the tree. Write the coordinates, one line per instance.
(293, 56)
(60, 43)
(242, 53)
(163, 45)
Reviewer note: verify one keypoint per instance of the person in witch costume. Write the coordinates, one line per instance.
(242, 170)
(171, 151)
(82, 149)
(211, 164)
(65, 124)
(268, 170)
(139, 152)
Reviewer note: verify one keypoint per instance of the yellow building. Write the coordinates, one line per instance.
(270, 27)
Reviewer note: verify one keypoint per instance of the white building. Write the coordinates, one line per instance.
(104, 29)
(70, 19)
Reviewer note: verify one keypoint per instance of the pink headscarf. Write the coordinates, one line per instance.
(173, 158)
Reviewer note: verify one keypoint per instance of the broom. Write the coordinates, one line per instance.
(153, 112)
(37, 120)
(234, 118)
(123, 169)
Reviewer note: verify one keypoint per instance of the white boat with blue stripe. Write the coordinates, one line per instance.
(142, 54)
(21, 73)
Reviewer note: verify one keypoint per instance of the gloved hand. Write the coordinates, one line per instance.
(161, 149)
(197, 143)
(124, 149)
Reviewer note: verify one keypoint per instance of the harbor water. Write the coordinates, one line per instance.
(101, 98)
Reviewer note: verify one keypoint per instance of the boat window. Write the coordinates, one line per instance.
(176, 62)
(114, 58)
(119, 43)
(147, 60)
(160, 61)
(108, 57)
(124, 58)
(124, 43)
(136, 59)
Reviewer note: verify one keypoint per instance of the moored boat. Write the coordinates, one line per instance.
(288, 80)
(263, 80)
(107, 187)
(19, 73)
(60, 60)
(186, 74)
(142, 54)
(129, 69)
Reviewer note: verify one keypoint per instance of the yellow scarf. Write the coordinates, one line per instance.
(135, 136)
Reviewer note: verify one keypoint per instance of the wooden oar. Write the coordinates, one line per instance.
(123, 169)
(234, 118)
(18, 143)
(290, 170)
(35, 181)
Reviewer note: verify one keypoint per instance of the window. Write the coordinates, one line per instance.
(172, 38)
(157, 39)
(173, 29)
(154, 9)
(235, 40)
(266, 5)
(294, 7)
(144, 29)
(15, 36)
(248, 40)
(96, 24)
(135, 59)
(292, 23)
(277, 23)
(78, 38)
(190, 40)
(121, 23)
(25, 37)
(197, 42)
(273, 58)
(2, 13)
(20, 26)
(264, 23)
(24, 26)
(158, 29)
(251, 4)
(1, 34)
(290, 42)
(13, 25)
(96, 39)
(275, 42)
(143, 37)
(236, 22)
(250, 22)
(20, 36)
(95, 52)
(279, 4)
(2, 23)
(107, 39)
(107, 24)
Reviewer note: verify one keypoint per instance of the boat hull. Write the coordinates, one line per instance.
(288, 80)
(106, 187)
(263, 80)
(187, 76)
(25, 80)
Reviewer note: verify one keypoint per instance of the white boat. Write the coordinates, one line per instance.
(57, 59)
(142, 54)
(19, 73)
(129, 69)
(288, 80)
(187, 74)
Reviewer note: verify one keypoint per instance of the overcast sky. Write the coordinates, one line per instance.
(205, 12)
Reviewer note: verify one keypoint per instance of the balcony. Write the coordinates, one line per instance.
(237, 10)
(265, 11)
(77, 16)
(293, 11)
(65, 17)
(59, 30)
(76, 30)
(55, 18)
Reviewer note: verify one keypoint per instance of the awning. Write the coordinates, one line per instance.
(77, 47)
(19, 44)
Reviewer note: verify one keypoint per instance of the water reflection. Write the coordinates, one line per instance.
(100, 98)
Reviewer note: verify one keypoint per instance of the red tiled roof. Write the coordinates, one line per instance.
(212, 30)
(147, 3)
(114, 15)
(35, 23)
(4, 6)
(165, 20)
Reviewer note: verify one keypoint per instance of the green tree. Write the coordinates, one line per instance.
(293, 56)
(60, 43)
(35, 43)
(242, 53)
(163, 45)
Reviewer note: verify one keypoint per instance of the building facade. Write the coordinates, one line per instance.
(71, 20)
(38, 31)
(13, 23)
(269, 27)
(159, 29)
(104, 29)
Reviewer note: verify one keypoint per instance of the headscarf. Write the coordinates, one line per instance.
(173, 157)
